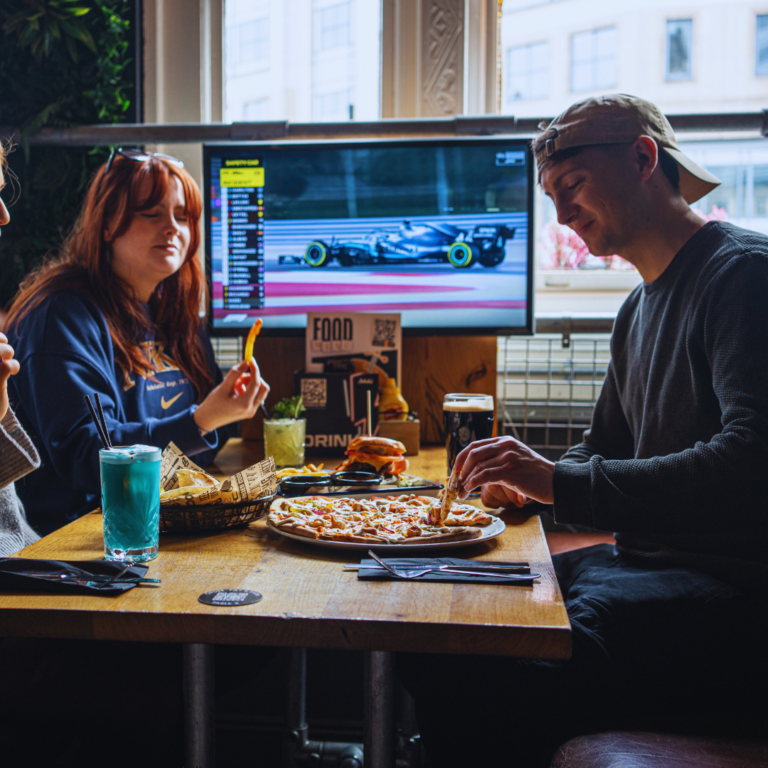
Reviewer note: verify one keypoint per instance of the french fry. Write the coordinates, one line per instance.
(251, 340)
(309, 469)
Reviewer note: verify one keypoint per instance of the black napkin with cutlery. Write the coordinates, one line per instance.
(370, 570)
(89, 577)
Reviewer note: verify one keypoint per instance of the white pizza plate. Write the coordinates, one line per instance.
(496, 528)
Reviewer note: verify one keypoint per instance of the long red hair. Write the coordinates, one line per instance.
(84, 264)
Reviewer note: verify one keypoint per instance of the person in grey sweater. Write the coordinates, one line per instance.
(18, 456)
(668, 625)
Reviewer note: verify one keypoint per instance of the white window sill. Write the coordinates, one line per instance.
(558, 280)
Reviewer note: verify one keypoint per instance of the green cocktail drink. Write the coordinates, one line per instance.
(130, 502)
(284, 440)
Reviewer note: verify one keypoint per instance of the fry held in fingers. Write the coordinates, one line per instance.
(251, 340)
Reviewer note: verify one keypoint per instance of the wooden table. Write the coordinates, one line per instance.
(309, 601)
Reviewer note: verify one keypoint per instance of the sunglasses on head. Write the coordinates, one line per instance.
(139, 156)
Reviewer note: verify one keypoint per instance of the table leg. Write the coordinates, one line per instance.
(379, 709)
(198, 705)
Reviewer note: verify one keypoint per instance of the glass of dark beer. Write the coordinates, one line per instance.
(466, 418)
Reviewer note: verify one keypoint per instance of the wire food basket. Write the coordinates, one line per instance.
(194, 519)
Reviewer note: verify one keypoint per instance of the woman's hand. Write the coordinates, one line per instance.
(237, 397)
(8, 367)
(507, 469)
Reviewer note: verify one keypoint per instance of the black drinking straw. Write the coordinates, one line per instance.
(103, 420)
(95, 418)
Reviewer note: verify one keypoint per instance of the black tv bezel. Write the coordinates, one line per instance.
(210, 148)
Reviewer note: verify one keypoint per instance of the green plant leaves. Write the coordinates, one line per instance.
(39, 24)
(62, 63)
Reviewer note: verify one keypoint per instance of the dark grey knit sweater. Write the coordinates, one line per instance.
(676, 460)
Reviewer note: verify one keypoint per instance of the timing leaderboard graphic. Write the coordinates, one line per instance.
(237, 233)
(437, 230)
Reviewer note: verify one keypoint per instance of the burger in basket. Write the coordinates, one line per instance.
(375, 454)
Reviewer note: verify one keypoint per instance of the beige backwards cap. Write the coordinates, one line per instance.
(617, 119)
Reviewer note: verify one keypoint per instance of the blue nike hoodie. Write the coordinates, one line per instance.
(65, 351)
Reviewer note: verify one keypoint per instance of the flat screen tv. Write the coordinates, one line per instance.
(439, 230)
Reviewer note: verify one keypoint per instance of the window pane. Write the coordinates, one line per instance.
(334, 26)
(727, 194)
(762, 45)
(517, 60)
(581, 47)
(326, 67)
(605, 73)
(539, 85)
(528, 72)
(679, 43)
(605, 40)
(761, 191)
(593, 59)
(540, 56)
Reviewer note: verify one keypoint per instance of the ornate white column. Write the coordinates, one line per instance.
(438, 57)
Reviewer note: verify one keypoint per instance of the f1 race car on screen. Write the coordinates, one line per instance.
(441, 242)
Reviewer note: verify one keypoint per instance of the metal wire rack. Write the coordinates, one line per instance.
(548, 389)
(228, 352)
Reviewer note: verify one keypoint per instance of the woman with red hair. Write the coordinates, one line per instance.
(118, 313)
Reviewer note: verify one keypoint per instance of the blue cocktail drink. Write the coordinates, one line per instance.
(130, 501)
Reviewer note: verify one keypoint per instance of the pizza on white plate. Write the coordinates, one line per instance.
(406, 519)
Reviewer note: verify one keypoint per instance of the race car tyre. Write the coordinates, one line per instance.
(492, 258)
(316, 254)
(462, 255)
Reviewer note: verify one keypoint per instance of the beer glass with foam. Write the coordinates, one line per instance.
(467, 417)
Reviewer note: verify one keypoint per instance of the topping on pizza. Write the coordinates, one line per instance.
(406, 519)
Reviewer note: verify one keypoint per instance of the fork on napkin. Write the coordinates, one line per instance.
(444, 569)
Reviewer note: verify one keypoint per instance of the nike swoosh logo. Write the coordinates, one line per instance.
(166, 404)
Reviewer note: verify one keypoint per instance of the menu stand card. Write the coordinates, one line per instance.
(370, 343)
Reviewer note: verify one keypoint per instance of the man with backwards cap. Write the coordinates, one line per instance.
(669, 625)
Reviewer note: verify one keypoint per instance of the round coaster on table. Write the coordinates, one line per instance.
(230, 597)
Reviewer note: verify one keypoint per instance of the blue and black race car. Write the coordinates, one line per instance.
(441, 242)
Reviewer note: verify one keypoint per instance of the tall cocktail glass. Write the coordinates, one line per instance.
(130, 502)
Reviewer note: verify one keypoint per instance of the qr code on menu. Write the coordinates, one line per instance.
(314, 392)
(384, 333)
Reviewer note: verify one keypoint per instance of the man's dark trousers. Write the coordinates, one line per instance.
(653, 648)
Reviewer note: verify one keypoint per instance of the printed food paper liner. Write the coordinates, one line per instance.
(247, 485)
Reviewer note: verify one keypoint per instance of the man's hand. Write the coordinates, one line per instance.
(508, 471)
(237, 397)
(8, 367)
